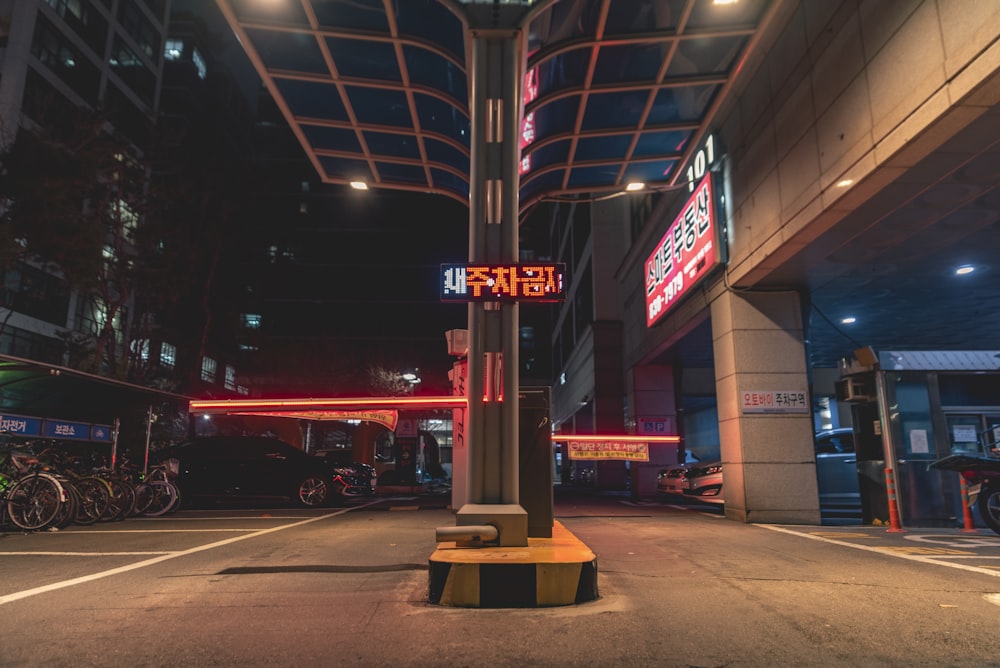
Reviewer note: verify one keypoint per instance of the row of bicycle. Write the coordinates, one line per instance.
(49, 489)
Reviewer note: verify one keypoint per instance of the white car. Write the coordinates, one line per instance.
(673, 480)
(705, 483)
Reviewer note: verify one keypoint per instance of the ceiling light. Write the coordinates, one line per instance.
(635, 185)
(724, 2)
(844, 183)
(359, 185)
(849, 320)
(964, 269)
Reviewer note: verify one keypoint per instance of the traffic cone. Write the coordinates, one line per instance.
(890, 485)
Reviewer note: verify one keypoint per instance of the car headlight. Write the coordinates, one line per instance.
(712, 469)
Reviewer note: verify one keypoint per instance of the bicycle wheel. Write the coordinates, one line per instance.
(122, 499)
(164, 498)
(34, 501)
(94, 500)
(68, 509)
(144, 495)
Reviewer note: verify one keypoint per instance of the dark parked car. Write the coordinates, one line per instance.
(252, 467)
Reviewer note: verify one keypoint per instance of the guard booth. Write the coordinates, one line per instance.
(910, 408)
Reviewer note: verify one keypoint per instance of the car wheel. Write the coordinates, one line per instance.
(313, 492)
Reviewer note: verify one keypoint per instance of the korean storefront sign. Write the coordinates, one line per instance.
(774, 401)
(688, 251)
(608, 450)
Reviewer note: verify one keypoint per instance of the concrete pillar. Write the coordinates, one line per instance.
(654, 407)
(769, 471)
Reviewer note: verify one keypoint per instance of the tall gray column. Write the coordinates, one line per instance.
(495, 94)
(769, 470)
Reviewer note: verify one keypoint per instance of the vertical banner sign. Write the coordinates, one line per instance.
(686, 254)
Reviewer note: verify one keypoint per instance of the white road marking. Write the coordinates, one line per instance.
(882, 550)
(82, 554)
(17, 596)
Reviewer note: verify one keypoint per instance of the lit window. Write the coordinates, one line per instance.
(303, 207)
(168, 355)
(173, 50)
(140, 348)
(252, 320)
(208, 366)
(230, 378)
(199, 63)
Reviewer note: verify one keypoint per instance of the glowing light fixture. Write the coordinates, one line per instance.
(633, 186)
(964, 269)
(849, 320)
(845, 183)
(359, 185)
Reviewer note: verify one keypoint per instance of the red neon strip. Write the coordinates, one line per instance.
(294, 404)
(631, 438)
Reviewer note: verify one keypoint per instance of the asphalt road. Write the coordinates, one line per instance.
(679, 585)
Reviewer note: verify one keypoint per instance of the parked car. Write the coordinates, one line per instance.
(672, 480)
(836, 476)
(705, 483)
(252, 467)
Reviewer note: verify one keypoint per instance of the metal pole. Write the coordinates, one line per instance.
(149, 430)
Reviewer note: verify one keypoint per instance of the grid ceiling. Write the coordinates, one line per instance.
(617, 90)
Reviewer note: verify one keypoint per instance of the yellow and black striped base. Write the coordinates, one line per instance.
(554, 571)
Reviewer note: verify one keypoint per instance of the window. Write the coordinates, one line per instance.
(208, 366)
(65, 60)
(133, 71)
(168, 355)
(173, 49)
(252, 320)
(230, 381)
(140, 348)
(139, 28)
(199, 63)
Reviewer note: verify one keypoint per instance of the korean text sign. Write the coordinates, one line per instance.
(685, 255)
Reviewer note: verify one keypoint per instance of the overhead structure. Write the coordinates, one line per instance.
(377, 91)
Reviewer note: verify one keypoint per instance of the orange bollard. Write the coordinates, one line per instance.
(890, 485)
(970, 525)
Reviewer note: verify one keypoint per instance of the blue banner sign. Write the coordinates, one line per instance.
(22, 426)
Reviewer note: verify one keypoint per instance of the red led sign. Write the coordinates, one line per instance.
(685, 255)
(537, 282)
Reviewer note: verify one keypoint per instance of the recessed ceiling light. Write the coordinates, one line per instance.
(359, 185)
(635, 185)
(849, 320)
(964, 269)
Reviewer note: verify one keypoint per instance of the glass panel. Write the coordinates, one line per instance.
(352, 14)
(964, 433)
(556, 117)
(439, 116)
(661, 143)
(293, 51)
(547, 183)
(394, 172)
(449, 181)
(335, 139)
(706, 56)
(650, 172)
(629, 62)
(313, 100)
(438, 151)
(711, 15)
(567, 70)
(432, 21)
(379, 106)
(565, 20)
(363, 59)
(674, 105)
(394, 145)
(630, 16)
(349, 170)
(598, 148)
(429, 69)
(614, 110)
(603, 175)
(275, 12)
(552, 154)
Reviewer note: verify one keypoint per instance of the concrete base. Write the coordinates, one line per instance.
(511, 521)
(554, 571)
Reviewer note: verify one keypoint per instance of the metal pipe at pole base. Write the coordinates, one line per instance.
(468, 535)
(890, 485)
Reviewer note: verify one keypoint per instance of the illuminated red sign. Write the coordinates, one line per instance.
(685, 255)
(539, 282)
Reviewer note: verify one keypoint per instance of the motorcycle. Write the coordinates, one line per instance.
(982, 476)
